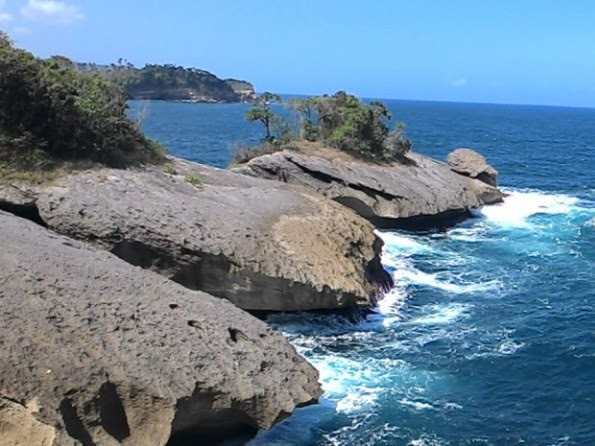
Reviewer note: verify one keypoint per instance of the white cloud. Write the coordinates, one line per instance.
(52, 12)
(459, 83)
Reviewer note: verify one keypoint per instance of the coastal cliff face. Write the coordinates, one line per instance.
(416, 194)
(99, 352)
(171, 83)
(261, 245)
(243, 88)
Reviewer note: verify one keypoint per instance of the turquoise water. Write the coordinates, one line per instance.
(488, 337)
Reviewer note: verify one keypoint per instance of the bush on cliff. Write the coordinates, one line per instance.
(341, 121)
(49, 113)
(345, 122)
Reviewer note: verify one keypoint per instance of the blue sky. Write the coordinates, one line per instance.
(524, 51)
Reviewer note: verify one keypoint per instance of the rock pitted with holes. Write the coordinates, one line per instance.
(98, 352)
(261, 245)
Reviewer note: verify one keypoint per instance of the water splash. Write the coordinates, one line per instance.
(519, 206)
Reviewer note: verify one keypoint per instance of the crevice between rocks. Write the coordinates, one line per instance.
(327, 178)
(28, 210)
(423, 223)
(417, 223)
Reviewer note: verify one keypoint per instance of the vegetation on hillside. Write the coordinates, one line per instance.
(341, 121)
(51, 114)
(239, 85)
(169, 82)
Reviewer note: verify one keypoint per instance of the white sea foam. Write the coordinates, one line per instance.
(402, 243)
(442, 314)
(518, 206)
(417, 277)
(389, 307)
(353, 384)
(425, 441)
(417, 405)
(361, 398)
(510, 347)
(453, 406)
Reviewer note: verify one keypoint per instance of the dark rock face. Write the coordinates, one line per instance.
(419, 194)
(98, 352)
(263, 246)
(470, 163)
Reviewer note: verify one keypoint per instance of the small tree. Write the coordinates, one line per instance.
(306, 108)
(396, 144)
(261, 111)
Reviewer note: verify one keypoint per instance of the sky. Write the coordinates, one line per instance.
(515, 52)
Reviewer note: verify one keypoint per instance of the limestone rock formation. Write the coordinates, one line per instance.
(262, 245)
(420, 193)
(472, 164)
(98, 352)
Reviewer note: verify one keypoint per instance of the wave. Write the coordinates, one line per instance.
(432, 280)
(442, 314)
(403, 244)
(417, 405)
(518, 206)
(510, 347)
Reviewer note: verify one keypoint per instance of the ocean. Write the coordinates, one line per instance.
(488, 337)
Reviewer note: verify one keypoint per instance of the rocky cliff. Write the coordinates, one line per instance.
(261, 245)
(170, 82)
(98, 352)
(243, 88)
(416, 193)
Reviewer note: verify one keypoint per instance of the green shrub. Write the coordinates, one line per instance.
(345, 122)
(193, 179)
(48, 108)
(169, 168)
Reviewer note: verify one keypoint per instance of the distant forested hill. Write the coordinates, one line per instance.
(170, 82)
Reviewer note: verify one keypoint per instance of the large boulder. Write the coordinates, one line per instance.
(417, 193)
(98, 352)
(472, 164)
(263, 246)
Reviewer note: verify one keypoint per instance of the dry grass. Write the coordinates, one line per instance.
(45, 176)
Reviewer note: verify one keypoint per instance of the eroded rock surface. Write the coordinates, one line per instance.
(420, 193)
(262, 245)
(105, 353)
(472, 164)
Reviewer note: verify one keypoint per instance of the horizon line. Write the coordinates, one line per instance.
(365, 98)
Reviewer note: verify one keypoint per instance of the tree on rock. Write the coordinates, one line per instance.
(261, 111)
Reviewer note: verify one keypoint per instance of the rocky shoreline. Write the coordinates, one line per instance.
(122, 291)
(416, 193)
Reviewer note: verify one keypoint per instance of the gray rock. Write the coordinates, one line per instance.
(98, 352)
(470, 163)
(263, 246)
(421, 193)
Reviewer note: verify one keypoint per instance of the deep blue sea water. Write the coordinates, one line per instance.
(489, 335)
